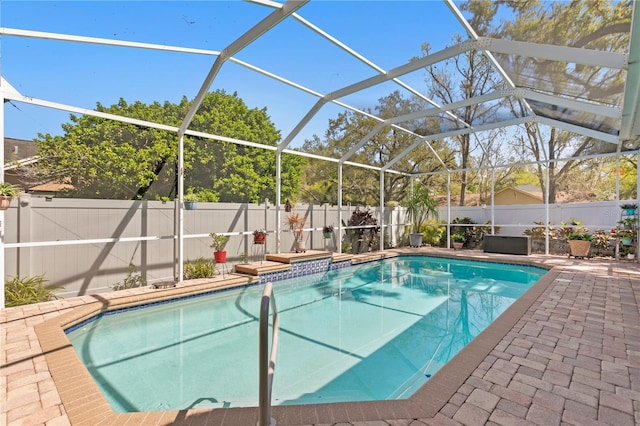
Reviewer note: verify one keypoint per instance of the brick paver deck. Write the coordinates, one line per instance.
(571, 355)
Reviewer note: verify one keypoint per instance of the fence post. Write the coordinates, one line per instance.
(24, 235)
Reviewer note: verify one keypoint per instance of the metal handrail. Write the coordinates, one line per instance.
(267, 361)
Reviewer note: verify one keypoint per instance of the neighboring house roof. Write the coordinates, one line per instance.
(526, 190)
(50, 187)
(18, 150)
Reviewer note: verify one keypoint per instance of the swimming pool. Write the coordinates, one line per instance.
(369, 332)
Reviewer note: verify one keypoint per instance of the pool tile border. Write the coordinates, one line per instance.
(85, 403)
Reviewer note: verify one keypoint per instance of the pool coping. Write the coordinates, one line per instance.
(84, 403)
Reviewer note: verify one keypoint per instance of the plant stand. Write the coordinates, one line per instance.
(625, 246)
(260, 248)
(221, 262)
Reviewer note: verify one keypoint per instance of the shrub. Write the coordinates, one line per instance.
(432, 232)
(24, 291)
(200, 268)
(579, 236)
(132, 280)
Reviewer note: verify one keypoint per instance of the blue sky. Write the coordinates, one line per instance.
(388, 33)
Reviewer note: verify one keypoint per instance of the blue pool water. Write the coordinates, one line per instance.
(370, 332)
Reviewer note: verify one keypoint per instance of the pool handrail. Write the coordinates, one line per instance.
(267, 361)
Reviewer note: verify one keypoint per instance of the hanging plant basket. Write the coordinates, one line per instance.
(5, 202)
(190, 205)
(259, 239)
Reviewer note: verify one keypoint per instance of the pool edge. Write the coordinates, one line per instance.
(85, 404)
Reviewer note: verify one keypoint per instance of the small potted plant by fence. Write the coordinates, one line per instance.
(259, 236)
(629, 208)
(190, 201)
(296, 223)
(327, 231)
(630, 253)
(218, 242)
(579, 244)
(625, 236)
(457, 240)
(419, 206)
(627, 223)
(7, 193)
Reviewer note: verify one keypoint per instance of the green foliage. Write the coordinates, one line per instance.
(108, 159)
(419, 207)
(579, 236)
(9, 190)
(361, 186)
(24, 291)
(600, 242)
(132, 280)
(218, 241)
(432, 232)
(458, 238)
(598, 25)
(200, 268)
(191, 197)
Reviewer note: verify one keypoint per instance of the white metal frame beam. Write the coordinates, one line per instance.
(630, 127)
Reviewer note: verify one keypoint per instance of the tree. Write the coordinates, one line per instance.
(107, 159)
(600, 25)
(361, 185)
(474, 76)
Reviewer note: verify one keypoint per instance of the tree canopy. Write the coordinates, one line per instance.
(107, 159)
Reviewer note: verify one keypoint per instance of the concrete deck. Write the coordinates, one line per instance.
(567, 352)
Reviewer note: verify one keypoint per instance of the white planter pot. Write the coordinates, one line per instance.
(300, 246)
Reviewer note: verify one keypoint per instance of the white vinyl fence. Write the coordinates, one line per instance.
(86, 246)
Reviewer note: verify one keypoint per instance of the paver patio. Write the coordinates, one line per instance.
(569, 355)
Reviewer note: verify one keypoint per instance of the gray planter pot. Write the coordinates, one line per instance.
(415, 239)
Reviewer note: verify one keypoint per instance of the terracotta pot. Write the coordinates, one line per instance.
(220, 256)
(259, 239)
(579, 248)
(5, 202)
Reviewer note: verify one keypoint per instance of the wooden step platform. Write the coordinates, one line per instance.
(264, 267)
(299, 257)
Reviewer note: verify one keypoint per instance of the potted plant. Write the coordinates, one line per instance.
(190, 201)
(629, 208)
(218, 242)
(327, 231)
(627, 223)
(625, 236)
(419, 206)
(7, 193)
(296, 222)
(259, 236)
(457, 240)
(579, 244)
(630, 253)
